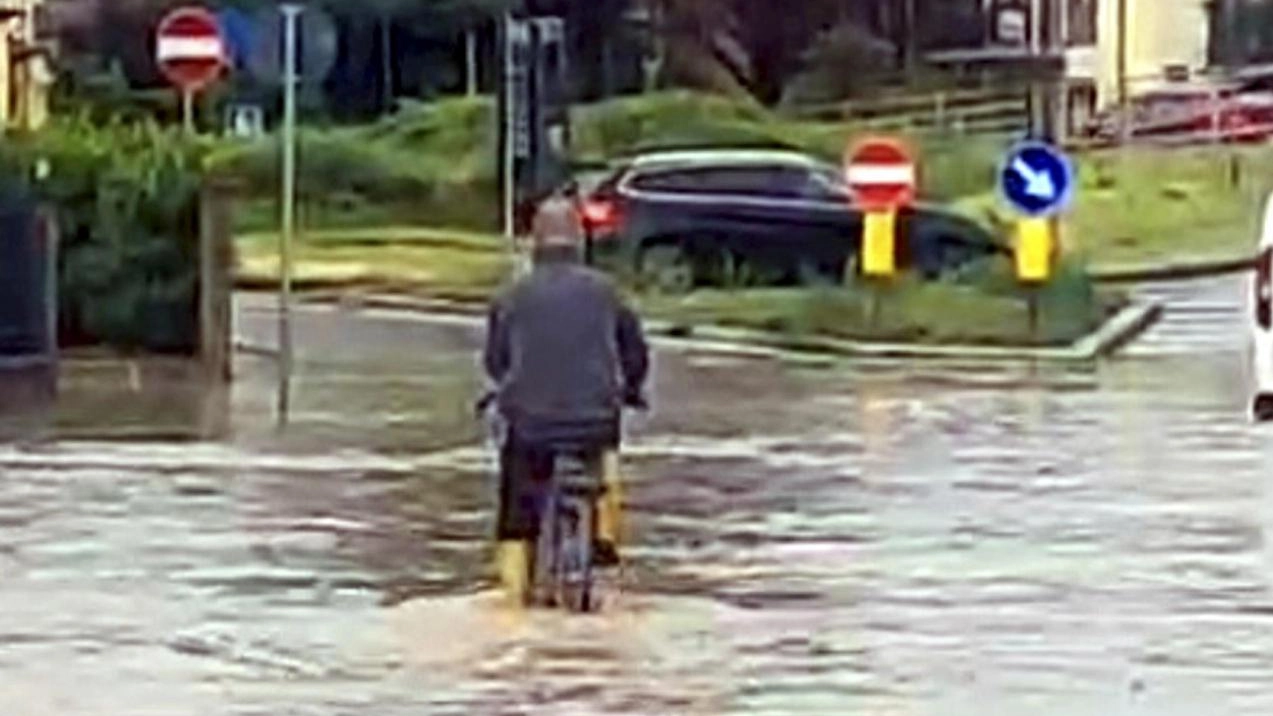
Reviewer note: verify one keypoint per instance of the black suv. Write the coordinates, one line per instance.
(693, 216)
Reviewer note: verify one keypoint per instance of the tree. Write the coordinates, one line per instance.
(756, 45)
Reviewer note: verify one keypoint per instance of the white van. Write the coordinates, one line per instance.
(1261, 311)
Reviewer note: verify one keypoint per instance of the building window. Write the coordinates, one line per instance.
(1080, 22)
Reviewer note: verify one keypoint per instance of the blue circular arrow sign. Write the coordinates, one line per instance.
(1037, 179)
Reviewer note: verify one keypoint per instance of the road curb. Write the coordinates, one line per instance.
(253, 349)
(1120, 330)
(1173, 271)
(1114, 333)
(1131, 273)
(418, 304)
(26, 362)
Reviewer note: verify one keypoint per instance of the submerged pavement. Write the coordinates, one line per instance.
(808, 537)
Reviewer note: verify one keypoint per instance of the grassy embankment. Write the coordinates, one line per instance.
(429, 166)
(981, 306)
(1145, 207)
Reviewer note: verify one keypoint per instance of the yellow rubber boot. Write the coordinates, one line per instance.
(610, 510)
(512, 565)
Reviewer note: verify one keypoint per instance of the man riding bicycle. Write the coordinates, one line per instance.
(565, 355)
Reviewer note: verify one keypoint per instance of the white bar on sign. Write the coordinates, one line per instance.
(867, 174)
(188, 48)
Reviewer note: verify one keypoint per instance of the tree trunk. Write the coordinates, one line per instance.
(386, 55)
(910, 56)
(470, 62)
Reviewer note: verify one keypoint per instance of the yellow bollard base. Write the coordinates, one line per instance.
(879, 233)
(1033, 254)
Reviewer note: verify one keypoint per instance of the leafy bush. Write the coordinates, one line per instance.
(628, 124)
(429, 163)
(434, 163)
(126, 197)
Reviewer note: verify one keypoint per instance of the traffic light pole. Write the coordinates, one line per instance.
(508, 120)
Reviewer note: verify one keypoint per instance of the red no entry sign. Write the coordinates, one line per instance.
(189, 48)
(881, 174)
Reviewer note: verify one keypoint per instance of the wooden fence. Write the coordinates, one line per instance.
(980, 111)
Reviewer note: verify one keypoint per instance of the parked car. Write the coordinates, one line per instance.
(700, 217)
(1191, 113)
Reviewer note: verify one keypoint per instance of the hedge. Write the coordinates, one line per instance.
(126, 201)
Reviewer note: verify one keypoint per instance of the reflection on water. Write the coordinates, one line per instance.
(882, 540)
(116, 399)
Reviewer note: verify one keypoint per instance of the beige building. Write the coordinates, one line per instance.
(26, 65)
(1132, 44)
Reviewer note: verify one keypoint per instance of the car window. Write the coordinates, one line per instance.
(768, 181)
(827, 184)
(611, 181)
(686, 181)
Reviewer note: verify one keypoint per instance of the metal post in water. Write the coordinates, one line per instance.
(290, 14)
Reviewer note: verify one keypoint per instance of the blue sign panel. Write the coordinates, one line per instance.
(1037, 179)
(236, 27)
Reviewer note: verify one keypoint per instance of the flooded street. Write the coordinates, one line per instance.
(808, 537)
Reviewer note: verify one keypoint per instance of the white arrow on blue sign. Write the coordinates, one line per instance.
(1037, 179)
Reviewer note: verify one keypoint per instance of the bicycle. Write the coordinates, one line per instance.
(562, 562)
(567, 509)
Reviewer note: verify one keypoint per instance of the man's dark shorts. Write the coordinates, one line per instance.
(526, 466)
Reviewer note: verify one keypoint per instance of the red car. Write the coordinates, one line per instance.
(1190, 114)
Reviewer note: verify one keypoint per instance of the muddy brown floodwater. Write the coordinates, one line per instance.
(807, 538)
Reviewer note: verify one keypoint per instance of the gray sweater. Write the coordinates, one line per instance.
(562, 348)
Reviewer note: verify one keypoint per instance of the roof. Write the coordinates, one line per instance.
(721, 156)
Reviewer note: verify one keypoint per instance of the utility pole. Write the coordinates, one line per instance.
(1047, 81)
(1232, 42)
(1036, 26)
(1120, 65)
(911, 39)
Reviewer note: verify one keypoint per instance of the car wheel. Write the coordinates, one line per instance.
(665, 269)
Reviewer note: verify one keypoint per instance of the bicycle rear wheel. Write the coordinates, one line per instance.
(545, 589)
(563, 570)
(578, 526)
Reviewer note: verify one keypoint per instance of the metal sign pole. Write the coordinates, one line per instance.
(187, 110)
(290, 14)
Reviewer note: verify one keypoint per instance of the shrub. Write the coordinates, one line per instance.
(434, 163)
(983, 304)
(126, 200)
(429, 163)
